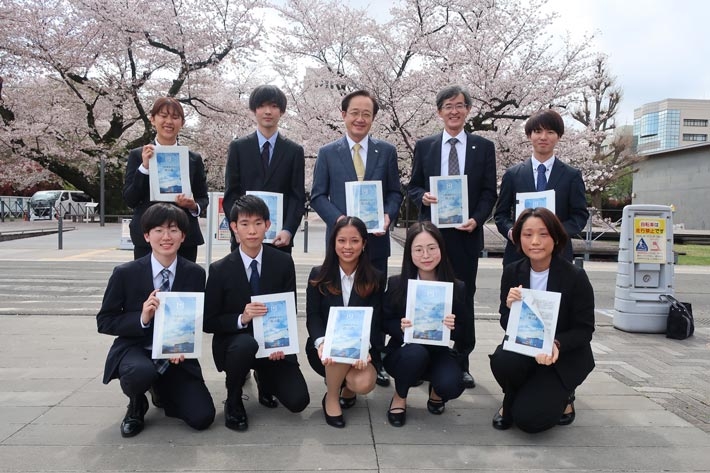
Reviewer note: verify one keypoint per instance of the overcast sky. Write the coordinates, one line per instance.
(657, 49)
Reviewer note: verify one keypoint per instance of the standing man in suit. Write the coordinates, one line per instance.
(167, 117)
(543, 171)
(266, 161)
(452, 152)
(358, 157)
(253, 269)
(127, 312)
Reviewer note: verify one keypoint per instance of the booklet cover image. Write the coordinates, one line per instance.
(428, 313)
(347, 339)
(179, 325)
(449, 193)
(531, 329)
(276, 325)
(169, 173)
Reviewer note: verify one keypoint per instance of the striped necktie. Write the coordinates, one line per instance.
(453, 158)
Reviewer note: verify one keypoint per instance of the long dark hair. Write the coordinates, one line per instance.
(444, 270)
(328, 279)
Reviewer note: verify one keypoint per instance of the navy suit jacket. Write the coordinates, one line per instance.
(334, 167)
(285, 175)
(128, 288)
(575, 323)
(480, 171)
(136, 194)
(228, 292)
(570, 201)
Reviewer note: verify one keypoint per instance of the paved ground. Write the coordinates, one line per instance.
(645, 408)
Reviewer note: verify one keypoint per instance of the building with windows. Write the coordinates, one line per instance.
(671, 123)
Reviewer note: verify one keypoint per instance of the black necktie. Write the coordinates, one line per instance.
(453, 158)
(541, 179)
(161, 364)
(254, 278)
(265, 156)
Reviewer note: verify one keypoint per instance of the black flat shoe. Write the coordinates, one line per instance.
(264, 398)
(155, 398)
(468, 381)
(235, 416)
(133, 422)
(501, 423)
(435, 407)
(347, 402)
(383, 378)
(567, 419)
(396, 416)
(333, 421)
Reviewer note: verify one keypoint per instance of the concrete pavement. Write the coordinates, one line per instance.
(646, 407)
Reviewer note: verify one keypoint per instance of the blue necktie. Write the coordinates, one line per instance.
(161, 364)
(254, 278)
(541, 179)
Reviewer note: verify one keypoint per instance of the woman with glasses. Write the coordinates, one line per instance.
(425, 259)
(346, 279)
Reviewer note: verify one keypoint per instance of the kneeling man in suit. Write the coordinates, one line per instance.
(127, 312)
(252, 269)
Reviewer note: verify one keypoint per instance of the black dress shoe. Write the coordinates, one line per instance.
(347, 402)
(133, 423)
(435, 407)
(468, 381)
(265, 399)
(235, 416)
(333, 421)
(567, 419)
(397, 416)
(383, 378)
(155, 398)
(501, 423)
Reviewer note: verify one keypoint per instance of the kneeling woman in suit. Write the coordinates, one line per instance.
(424, 258)
(539, 392)
(346, 278)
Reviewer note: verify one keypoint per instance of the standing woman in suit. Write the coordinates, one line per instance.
(539, 391)
(168, 118)
(424, 258)
(346, 278)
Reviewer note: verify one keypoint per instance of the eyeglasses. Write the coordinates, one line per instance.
(459, 107)
(160, 231)
(429, 249)
(358, 114)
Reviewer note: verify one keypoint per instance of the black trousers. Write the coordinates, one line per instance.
(187, 252)
(534, 395)
(184, 396)
(439, 365)
(282, 378)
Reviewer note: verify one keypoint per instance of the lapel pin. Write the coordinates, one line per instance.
(473, 147)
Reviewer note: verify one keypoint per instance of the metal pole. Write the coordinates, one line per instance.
(305, 235)
(102, 191)
(60, 229)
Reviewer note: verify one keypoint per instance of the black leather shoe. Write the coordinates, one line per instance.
(383, 378)
(133, 422)
(468, 381)
(567, 419)
(155, 398)
(347, 402)
(435, 407)
(265, 399)
(397, 416)
(235, 416)
(501, 423)
(333, 421)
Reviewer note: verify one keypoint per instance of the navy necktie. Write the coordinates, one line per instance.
(161, 364)
(254, 278)
(265, 156)
(541, 179)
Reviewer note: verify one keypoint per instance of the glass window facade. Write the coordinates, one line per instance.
(658, 130)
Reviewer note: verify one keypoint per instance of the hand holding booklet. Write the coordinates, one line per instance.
(532, 323)
(177, 326)
(169, 173)
(428, 302)
(277, 330)
(347, 334)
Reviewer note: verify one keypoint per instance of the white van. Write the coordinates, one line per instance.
(51, 204)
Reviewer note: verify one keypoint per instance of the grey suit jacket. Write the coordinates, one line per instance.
(334, 167)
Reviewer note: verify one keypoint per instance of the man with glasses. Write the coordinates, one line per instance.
(358, 157)
(457, 152)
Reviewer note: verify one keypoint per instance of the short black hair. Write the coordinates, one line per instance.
(164, 213)
(359, 93)
(265, 94)
(553, 224)
(249, 205)
(545, 120)
(450, 92)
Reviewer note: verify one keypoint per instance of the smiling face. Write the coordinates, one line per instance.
(359, 117)
(165, 241)
(426, 255)
(250, 231)
(349, 245)
(543, 142)
(454, 112)
(537, 243)
(167, 124)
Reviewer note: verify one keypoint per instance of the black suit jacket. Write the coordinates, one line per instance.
(570, 200)
(128, 288)
(318, 307)
(393, 312)
(480, 171)
(575, 323)
(284, 175)
(228, 292)
(136, 194)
